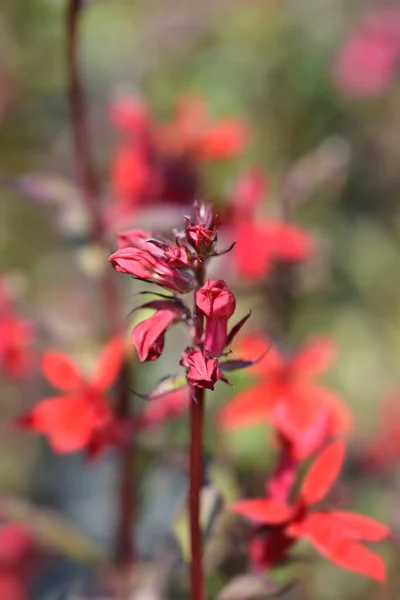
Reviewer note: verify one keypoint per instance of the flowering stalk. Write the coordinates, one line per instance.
(180, 268)
(196, 463)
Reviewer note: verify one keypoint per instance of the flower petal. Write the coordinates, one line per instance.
(248, 408)
(360, 527)
(323, 473)
(264, 510)
(346, 553)
(108, 364)
(315, 357)
(253, 346)
(66, 420)
(340, 414)
(61, 371)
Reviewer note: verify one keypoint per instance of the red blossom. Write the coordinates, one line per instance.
(201, 238)
(202, 371)
(71, 420)
(303, 411)
(262, 241)
(335, 534)
(18, 561)
(16, 338)
(366, 64)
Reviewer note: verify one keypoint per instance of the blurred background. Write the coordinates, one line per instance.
(317, 86)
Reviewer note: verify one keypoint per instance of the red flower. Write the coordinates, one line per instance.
(218, 304)
(148, 337)
(382, 448)
(366, 64)
(16, 338)
(202, 370)
(72, 419)
(145, 265)
(18, 561)
(335, 534)
(302, 410)
(260, 242)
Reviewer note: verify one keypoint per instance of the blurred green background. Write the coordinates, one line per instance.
(270, 63)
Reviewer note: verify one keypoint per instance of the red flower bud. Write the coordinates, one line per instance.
(202, 370)
(218, 304)
(142, 264)
(148, 337)
(201, 238)
(177, 256)
(215, 300)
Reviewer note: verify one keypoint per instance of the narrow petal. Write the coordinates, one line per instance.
(360, 527)
(253, 254)
(348, 554)
(323, 473)
(61, 371)
(315, 357)
(248, 408)
(264, 510)
(108, 364)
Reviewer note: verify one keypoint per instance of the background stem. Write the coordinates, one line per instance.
(110, 292)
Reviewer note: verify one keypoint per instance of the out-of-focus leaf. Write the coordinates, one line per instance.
(51, 530)
(210, 505)
(252, 586)
(168, 384)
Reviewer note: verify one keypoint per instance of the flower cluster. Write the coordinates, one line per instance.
(177, 267)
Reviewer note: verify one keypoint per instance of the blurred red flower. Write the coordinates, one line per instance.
(366, 64)
(160, 163)
(335, 534)
(302, 411)
(16, 338)
(261, 241)
(72, 420)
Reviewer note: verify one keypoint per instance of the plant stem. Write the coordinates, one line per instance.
(196, 465)
(90, 191)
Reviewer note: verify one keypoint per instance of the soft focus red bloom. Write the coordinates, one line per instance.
(72, 419)
(335, 534)
(218, 304)
(17, 561)
(202, 370)
(366, 64)
(16, 338)
(303, 411)
(260, 242)
(160, 163)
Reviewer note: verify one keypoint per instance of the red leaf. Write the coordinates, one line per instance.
(323, 473)
(263, 511)
(315, 357)
(248, 408)
(360, 527)
(108, 364)
(61, 371)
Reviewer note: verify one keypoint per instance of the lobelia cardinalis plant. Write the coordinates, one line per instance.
(179, 268)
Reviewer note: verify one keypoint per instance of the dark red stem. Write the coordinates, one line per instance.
(196, 465)
(91, 194)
